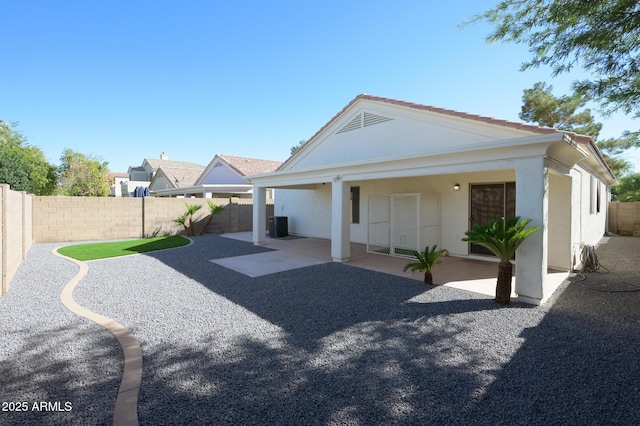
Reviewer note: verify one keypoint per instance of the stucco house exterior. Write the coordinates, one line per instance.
(144, 174)
(174, 181)
(397, 176)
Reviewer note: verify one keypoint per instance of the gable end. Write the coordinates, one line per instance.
(363, 119)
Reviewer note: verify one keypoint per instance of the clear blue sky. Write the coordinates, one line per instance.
(126, 80)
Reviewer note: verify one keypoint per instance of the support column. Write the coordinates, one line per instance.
(532, 202)
(340, 232)
(259, 215)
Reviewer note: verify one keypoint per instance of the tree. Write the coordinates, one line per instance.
(82, 175)
(502, 239)
(426, 261)
(295, 148)
(541, 107)
(629, 188)
(600, 36)
(23, 166)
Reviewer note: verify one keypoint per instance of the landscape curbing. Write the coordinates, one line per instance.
(125, 411)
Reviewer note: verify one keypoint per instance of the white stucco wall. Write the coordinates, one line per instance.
(560, 221)
(421, 133)
(589, 224)
(222, 175)
(309, 211)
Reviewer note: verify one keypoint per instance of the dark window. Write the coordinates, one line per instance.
(355, 204)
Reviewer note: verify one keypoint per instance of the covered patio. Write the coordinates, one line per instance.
(478, 276)
(400, 176)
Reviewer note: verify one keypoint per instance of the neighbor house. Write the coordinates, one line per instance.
(177, 181)
(142, 175)
(224, 177)
(399, 176)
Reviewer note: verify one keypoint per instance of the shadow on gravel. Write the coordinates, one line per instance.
(54, 379)
(316, 301)
(358, 347)
(580, 364)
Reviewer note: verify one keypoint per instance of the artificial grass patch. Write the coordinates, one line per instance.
(94, 251)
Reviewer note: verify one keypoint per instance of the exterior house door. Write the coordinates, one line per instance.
(490, 202)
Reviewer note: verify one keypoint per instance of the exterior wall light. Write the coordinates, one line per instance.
(456, 187)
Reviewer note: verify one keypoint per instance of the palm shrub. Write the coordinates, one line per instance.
(213, 209)
(182, 220)
(191, 210)
(426, 261)
(502, 239)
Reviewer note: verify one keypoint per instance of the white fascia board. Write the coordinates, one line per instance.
(205, 188)
(463, 158)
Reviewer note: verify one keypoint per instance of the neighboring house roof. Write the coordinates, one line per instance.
(250, 166)
(239, 167)
(178, 177)
(581, 139)
(157, 163)
(224, 175)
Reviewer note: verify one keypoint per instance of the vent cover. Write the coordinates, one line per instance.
(364, 119)
(371, 119)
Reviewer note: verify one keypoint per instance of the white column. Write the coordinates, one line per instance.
(259, 215)
(532, 202)
(340, 233)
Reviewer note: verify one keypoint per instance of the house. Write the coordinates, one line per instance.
(224, 177)
(142, 175)
(118, 179)
(171, 181)
(399, 176)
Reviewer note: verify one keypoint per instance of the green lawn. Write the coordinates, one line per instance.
(121, 248)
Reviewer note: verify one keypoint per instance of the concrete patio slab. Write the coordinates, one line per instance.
(257, 265)
(478, 276)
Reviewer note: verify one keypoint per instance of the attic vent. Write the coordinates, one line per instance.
(371, 119)
(352, 125)
(363, 120)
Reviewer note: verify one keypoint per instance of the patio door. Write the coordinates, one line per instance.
(490, 202)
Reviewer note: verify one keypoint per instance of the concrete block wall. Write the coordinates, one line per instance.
(624, 219)
(15, 232)
(58, 219)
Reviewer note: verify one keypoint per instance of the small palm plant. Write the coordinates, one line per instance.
(502, 239)
(426, 261)
(213, 209)
(191, 210)
(182, 220)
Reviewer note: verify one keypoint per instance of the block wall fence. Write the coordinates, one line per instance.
(15, 232)
(28, 219)
(624, 218)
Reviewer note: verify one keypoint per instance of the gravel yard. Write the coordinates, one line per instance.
(326, 344)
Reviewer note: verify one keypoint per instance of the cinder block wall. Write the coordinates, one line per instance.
(15, 232)
(57, 219)
(624, 219)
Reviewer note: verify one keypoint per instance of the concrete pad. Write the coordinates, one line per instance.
(257, 265)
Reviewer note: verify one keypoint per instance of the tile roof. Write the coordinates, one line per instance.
(180, 176)
(250, 166)
(582, 139)
(157, 163)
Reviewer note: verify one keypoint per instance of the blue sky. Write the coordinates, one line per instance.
(127, 80)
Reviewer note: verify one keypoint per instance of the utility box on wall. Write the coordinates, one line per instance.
(278, 226)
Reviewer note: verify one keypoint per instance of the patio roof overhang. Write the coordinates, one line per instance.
(206, 188)
(463, 159)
